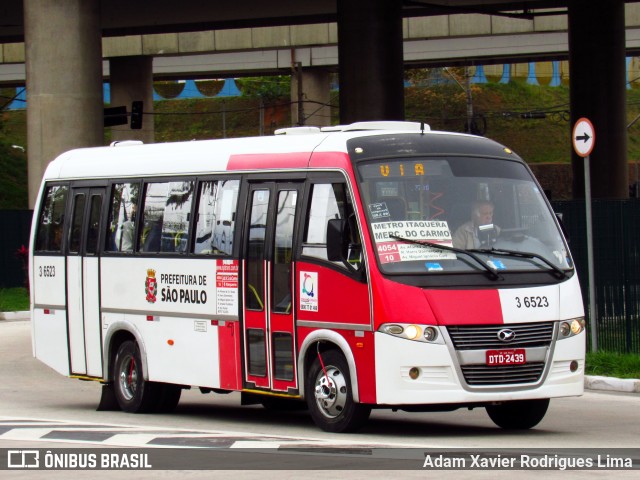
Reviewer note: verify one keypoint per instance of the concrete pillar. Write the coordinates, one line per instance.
(597, 92)
(64, 81)
(315, 98)
(131, 79)
(370, 56)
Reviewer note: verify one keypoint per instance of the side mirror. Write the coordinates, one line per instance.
(337, 240)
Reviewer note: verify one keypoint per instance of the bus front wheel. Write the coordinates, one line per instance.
(519, 414)
(133, 393)
(330, 397)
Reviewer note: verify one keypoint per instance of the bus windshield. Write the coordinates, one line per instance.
(459, 214)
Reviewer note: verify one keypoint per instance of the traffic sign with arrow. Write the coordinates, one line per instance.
(583, 137)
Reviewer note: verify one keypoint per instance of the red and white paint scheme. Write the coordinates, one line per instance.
(372, 265)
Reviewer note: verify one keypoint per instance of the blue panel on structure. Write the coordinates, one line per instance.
(556, 79)
(20, 100)
(106, 93)
(479, 76)
(190, 90)
(229, 89)
(506, 73)
(628, 81)
(531, 78)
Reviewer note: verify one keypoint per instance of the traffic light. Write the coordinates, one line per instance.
(115, 116)
(136, 115)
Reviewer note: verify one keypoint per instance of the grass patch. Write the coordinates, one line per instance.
(610, 364)
(14, 299)
(13, 182)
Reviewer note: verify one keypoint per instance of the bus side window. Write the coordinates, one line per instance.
(330, 201)
(165, 217)
(122, 217)
(51, 221)
(216, 217)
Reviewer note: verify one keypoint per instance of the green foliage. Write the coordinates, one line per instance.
(14, 299)
(267, 88)
(609, 364)
(207, 118)
(13, 180)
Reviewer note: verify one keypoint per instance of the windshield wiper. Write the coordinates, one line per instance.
(513, 253)
(492, 271)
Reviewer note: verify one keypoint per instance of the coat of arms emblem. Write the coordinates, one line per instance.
(151, 286)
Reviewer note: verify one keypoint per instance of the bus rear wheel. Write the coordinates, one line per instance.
(330, 397)
(133, 393)
(519, 414)
(168, 398)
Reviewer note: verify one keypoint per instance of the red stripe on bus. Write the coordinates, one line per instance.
(465, 307)
(270, 160)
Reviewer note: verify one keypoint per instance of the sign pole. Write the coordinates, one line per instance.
(584, 137)
(592, 286)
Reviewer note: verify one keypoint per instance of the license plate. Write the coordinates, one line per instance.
(496, 358)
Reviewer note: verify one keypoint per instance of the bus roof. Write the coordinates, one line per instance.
(290, 148)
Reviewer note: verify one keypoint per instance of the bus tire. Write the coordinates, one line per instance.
(519, 414)
(168, 398)
(330, 396)
(133, 393)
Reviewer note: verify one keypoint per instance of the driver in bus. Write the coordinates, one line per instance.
(479, 232)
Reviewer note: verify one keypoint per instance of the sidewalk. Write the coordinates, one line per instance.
(14, 315)
(628, 385)
(591, 382)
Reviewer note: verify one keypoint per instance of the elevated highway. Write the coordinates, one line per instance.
(427, 41)
(369, 42)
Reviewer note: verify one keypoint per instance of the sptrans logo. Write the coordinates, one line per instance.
(151, 286)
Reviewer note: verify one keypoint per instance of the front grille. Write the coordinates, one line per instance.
(483, 375)
(482, 337)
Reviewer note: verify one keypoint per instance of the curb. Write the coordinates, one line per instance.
(15, 315)
(628, 385)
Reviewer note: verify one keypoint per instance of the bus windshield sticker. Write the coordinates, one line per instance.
(227, 286)
(497, 264)
(379, 210)
(391, 251)
(434, 267)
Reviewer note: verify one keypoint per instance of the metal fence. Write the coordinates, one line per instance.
(616, 239)
(14, 234)
(616, 257)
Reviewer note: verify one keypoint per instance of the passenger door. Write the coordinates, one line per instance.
(83, 286)
(268, 270)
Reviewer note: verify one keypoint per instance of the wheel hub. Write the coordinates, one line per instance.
(128, 378)
(331, 392)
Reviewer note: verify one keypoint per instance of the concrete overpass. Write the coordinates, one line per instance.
(427, 41)
(377, 39)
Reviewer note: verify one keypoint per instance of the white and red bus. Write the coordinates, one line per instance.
(314, 265)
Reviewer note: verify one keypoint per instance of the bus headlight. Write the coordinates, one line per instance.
(411, 331)
(430, 334)
(393, 329)
(569, 328)
(577, 325)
